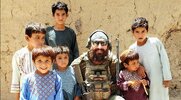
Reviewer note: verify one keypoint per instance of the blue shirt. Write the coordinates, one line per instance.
(36, 87)
(69, 84)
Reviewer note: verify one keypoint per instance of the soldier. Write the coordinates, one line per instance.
(95, 70)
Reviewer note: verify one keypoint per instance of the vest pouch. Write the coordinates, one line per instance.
(101, 94)
(88, 96)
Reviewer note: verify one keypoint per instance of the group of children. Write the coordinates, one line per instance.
(149, 52)
(44, 84)
(33, 77)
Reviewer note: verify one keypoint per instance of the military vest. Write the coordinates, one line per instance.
(98, 80)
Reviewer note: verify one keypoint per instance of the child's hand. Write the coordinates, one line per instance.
(76, 98)
(144, 82)
(130, 83)
(141, 71)
(166, 83)
(134, 83)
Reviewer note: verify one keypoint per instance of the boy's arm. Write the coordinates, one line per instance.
(15, 85)
(141, 71)
(46, 39)
(75, 48)
(166, 83)
(76, 98)
(165, 62)
(122, 83)
(24, 95)
(47, 35)
(58, 88)
(17, 96)
(77, 92)
(146, 84)
(147, 81)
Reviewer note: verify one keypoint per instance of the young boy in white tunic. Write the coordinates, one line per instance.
(22, 59)
(154, 58)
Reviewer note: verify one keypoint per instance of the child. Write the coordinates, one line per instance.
(70, 88)
(130, 83)
(42, 84)
(22, 59)
(59, 34)
(154, 58)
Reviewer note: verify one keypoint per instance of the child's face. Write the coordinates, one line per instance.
(36, 40)
(62, 60)
(140, 34)
(43, 64)
(60, 17)
(133, 65)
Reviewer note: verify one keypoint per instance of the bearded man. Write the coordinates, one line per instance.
(95, 70)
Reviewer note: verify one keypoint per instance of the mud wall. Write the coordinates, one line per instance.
(113, 16)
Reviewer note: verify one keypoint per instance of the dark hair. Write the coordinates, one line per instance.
(139, 22)
(61, 50)
(59, 6)
(44, 51)
(34, 27)
(128, 55)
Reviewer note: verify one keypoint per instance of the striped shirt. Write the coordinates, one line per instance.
(21, 64)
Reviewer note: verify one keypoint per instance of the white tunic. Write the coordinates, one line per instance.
(154, 58)
(21, 64)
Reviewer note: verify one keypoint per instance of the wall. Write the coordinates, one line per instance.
(113, 16)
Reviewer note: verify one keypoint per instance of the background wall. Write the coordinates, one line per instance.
(113, 16)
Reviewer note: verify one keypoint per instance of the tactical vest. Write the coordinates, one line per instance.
(98, 80)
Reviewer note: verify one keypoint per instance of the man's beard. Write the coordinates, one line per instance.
(98, 57)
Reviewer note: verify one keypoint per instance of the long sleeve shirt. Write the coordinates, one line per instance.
(131, 93)
(21, 64)
(36, 87)
(65, 37)
(154, 58)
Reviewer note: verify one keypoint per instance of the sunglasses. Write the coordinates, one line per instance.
(96, 43)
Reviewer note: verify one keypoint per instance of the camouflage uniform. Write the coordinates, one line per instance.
(100, 80)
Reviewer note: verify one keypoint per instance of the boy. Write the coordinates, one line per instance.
(21, 61)
(70, 89)
(154, 58)
(130, 83)
(59, 34)
(42, 84)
